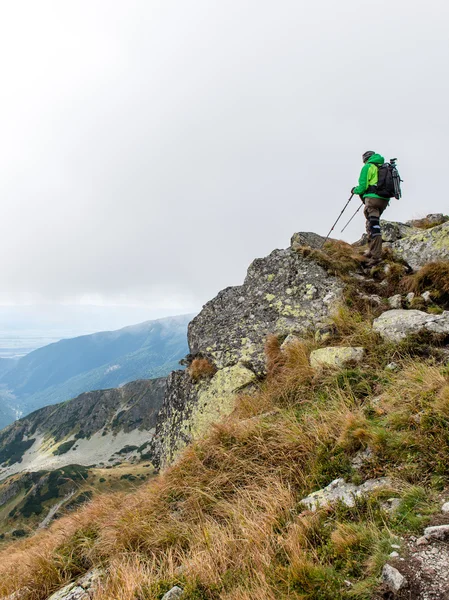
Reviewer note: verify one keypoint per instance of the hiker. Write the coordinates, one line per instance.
(375, 204)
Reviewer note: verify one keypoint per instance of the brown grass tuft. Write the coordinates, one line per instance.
(336, 257)
(274, 359)
(201, 368)
(433, 277)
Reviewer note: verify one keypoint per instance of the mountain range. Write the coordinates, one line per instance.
(67, 368)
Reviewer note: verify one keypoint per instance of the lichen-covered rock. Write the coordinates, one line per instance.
(340, 490)
(396, 325)
(337, 356)
(393, 231)
(282, 293)
(421, 246)
(83, 589)
(307, 238)
(190, 408)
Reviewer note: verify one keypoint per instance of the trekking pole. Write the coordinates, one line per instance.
(339, 217)
(351, 218)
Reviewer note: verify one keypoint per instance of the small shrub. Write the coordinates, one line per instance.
(17, 533)
(201, 368)
(64, 447)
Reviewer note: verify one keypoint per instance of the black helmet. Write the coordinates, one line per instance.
(367, 155)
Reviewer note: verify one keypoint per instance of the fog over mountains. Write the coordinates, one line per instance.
(64, 369)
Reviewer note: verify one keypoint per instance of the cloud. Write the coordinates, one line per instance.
(150, 150)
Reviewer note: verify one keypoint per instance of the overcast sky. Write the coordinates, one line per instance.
(150, 150)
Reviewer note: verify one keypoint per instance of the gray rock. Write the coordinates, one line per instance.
(409, 297)
(337, 356)
(427, 296)
(307, 238)
(392, 367)
(361, 458)
(395, 301)
(190, 408)
(174, 594)
(396, 325)
(437, 532)
(283, 293)
(445, 507)
(421, 246)
(345, 492)
(82, 589)
(391, 505)
(394, 554)
(433, 219)
(393, 231)
(422, 541)
(70, 592)
(393, 579)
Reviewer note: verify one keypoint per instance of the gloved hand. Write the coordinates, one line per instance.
(352, 191)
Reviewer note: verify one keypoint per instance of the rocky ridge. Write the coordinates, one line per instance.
(284, 293)
(298, 298)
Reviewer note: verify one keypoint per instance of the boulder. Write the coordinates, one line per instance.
(421, 246)
(395, 301)
(393, 578)
(82, 589)
(393, 231)
(339, 490)
(190, 408)
(396, 325)
(283, 293)
(174, 594)
(307, 238)
(337, 356)
(437, 532)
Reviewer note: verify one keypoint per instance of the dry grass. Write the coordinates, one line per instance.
(225, 522)
(433, 277)
(201, 368)
(337, 257)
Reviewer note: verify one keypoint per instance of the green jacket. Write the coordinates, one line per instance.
(369, 176)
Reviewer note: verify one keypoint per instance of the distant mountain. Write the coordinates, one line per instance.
(96, 428)
(63, 370)
(58, 456)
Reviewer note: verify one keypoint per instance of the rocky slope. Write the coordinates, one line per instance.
(331, 463)
(96, 428)
(102, 360)
(284, 293)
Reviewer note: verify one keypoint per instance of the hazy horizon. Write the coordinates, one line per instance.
(151, 150)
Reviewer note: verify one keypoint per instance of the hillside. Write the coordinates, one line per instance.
(67, 368)
(304, 451)
(96, 428)
(60, 456)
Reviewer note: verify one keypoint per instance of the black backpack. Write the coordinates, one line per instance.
(389, 181)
